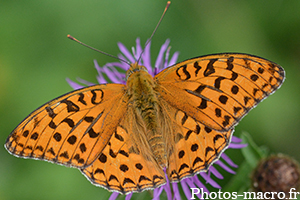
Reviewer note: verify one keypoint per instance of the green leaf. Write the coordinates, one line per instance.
(252, 153)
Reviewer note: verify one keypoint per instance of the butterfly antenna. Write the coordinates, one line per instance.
(72, 38)
(166, 8)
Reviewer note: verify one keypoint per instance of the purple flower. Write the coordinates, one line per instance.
(115, 72)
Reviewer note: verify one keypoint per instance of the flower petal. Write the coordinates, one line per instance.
(114, 196)
(174, 58)
(138, 49)
(73, 84)
(215, 172)
(236, 139)
(125, 52)
(237, 146)
(200, 184)
(167, 187)
(186, 189)
(225, 167)
(159, 60)
(112, 73)
(156, 193)
(128, 196)
(228, 160)
(191, 184)
(146, 57)
(176, 191)
(100, 77)
(85, 82)
(209, 180)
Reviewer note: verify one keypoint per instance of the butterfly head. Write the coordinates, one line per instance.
(135, 68)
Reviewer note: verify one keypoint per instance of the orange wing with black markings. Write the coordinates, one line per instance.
(125, 165)
(70, 130)
(218, 90)
(206, 97)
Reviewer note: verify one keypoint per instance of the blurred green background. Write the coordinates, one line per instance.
(36, 57)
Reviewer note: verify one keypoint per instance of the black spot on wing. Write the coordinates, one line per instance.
(92, 133)
(223, 99)
(72, 139)
(82, 147)
(25, 133)
(124, 168)
(210, 68)
(124, 153)
(188, 133)
(57, 137)
(71, 107)
(200, 89)
(198, 67)
(230, 63)
(217, 83)
(119, 137)
(203, 104)
(97, 96)
(184, 118)
(127, 180)
(88, 119)
(207, 150)
(139, 166)
(50, 112)
(81, 99)
(52, 125)
(197, 159)
(234, 76)
(181, 154)
(34, 136)
(234, 89)
(254, 77)
(69, 121)
(186, 73)
(102, 158)
(182, 167)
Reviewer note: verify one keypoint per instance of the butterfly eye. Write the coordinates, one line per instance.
(128, 73)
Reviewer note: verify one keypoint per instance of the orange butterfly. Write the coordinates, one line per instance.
(122, 136)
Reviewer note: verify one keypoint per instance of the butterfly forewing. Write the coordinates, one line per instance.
(218, 90)
(70, 130)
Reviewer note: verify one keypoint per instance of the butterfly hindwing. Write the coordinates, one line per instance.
(193, 147)
(69, 130)
(196, 148)
(124, 165)
(218, 90)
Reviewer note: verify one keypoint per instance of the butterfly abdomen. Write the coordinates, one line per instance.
(145, 103)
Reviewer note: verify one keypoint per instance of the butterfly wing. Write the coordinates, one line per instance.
(205, 98)
(126, 164)
(192, 146)
(218, 90)
(70, 129)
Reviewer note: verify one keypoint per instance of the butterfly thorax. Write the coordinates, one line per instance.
(143, 99)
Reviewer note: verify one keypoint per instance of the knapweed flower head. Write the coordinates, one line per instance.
(115, 72)
(277, 174)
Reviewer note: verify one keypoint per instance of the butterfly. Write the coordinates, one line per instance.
(123, 137)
